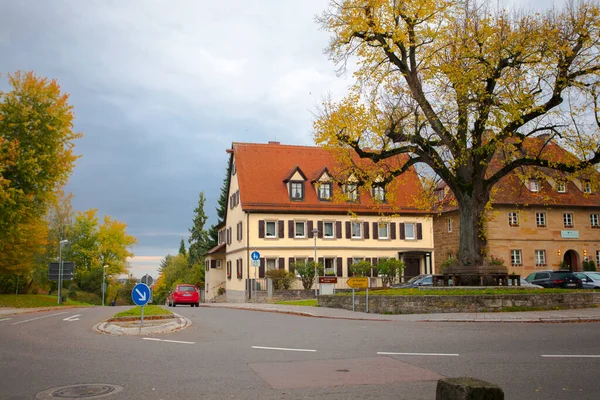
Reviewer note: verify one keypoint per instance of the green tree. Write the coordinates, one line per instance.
(467, 91)
(306, 270)
(389, 269)
(199, 242)
(213, 232)
(361, 268)
(182, 249)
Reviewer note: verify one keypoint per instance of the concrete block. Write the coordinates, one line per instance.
(467, 388)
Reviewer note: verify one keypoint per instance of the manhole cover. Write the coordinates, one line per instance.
(94, 390)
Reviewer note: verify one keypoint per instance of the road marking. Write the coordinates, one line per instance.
(72, 318)
(571, 355)
(4, 319)
(417, 354)
(281, 348)
(167, 340)
(33, 319)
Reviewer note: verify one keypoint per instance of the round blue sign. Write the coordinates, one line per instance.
(140, 294)
(255, 255)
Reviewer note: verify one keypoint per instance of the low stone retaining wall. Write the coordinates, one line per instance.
(468, 303)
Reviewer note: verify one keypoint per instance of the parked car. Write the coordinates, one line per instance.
(555, 279)
(184, 294)
(526, 284)
(416, 281)
(590, 280)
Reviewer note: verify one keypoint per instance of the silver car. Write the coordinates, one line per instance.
(526, 284)
(590, 279)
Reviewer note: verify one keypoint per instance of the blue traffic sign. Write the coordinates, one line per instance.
(140, 294)
(255, 255)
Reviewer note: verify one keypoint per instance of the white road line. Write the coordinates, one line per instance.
(169, 341)
(571, 355)
(4, 319)
(418, 354)
(33, 319)
(281, 348)
(72, 318)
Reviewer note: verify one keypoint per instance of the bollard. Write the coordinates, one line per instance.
(467, 388)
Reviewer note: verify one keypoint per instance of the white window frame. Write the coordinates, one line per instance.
(568, 220)
(513, 218)
(534, 185)
(379, 193)
(325, 194)
(449, 224)
(303, 224)
(414, 234)
(540, 258)
(354, 233)
(299, 184)
(270, 264)
(540, 219)
(561, 187)
(219, 264)
(587, 187)
(380, 226)
(441, 195)
(326, 270)
(325, 224)
(595, 221)
(274, 235)
(516, 257)
(352, 191)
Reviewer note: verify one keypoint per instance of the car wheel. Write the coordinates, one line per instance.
(174, 304)
(197, 304)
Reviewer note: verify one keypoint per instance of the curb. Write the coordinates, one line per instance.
(110, 328)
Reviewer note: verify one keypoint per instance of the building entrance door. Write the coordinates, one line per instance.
(571, 260)
(413, 267)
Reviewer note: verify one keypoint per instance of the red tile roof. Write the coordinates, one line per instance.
(262, 169)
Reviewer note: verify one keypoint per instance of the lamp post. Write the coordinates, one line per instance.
(315, 232)
(60, 268)
(103, 282)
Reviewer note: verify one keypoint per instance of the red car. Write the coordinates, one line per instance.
(184, 294)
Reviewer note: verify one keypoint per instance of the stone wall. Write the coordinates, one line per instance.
(449, 304)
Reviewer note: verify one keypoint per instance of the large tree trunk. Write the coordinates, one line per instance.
(472, 238)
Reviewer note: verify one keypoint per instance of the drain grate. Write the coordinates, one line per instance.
(89, 391)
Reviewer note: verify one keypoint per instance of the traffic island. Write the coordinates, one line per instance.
(156, 321)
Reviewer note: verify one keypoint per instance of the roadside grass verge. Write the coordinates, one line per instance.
(307, 302)
(459, 292)
(34, 300)
(148, 311)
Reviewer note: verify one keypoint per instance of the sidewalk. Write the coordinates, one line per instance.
(575, 315)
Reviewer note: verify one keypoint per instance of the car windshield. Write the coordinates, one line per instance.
(594, 275)
(561, 275)
(415, 278)
(185, 289)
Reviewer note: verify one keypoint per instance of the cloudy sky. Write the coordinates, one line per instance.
(162, 88)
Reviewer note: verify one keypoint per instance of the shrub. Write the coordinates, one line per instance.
(361, 268)
(306, 270)
(35, 291)
(389, 269)
(589, 265)
(85, 297)
(449, 262)
(281, 278)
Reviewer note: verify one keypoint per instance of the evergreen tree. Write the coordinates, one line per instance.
(182, 249)
(199, 240)
(221, 208)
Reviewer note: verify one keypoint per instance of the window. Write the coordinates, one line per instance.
(325, 191)
(219, 264)
(568, 220)
(515, 258)
(379, 193)
(271, 263)
(409, 231)
(352, 191)
(513, 218)
(356, 230)
(595, 221)
(597, 257)
(540, 219)
(328, 230)
(233, 169)
(540, 258)
(297, 191)
(449, 224)
(440, 194)
(561, 187)
(534, 185)
(587, 187)
(271, 231)
(300, 229)
(383, 229)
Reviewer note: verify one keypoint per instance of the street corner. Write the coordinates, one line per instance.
(134, 327)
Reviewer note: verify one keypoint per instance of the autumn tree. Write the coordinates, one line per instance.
(36, 159)
(454, 84)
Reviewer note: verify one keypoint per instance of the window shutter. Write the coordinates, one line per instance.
(320, 229)
(369, 261)
(402, 236)
(348, 230)
(321, 261)
(281, 263)
(281, 234)
(375, 230)
(290, 229)
(392, 230)
(238, 197)
(366, 229)
(213, 263)
(261, 229)
(419, 231)
(339, 271)
(310, 259)
(375, 263)
(241, 230)
(310, 229)
(338, 229)
(261, 269)
(349, 264)
(291, 261)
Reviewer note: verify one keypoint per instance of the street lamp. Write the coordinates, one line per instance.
(60, 268)
(103, 283)
(315, 232)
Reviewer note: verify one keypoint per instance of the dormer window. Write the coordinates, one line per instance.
(297, 191)
(561, 187)
(534, 185)
(352, 191)
(325, 191)
(587, 187)
(440, 194)
(379, 193)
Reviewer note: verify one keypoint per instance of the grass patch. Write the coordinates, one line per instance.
(148, 311)
(458, 292)
(308, 302)
(34, 300)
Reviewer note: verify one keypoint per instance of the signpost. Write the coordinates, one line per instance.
(255, 256)
(68, 270)
(359, 283)
(140, 296)
(147, 279)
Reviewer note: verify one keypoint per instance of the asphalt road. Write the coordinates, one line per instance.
(256, 355)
